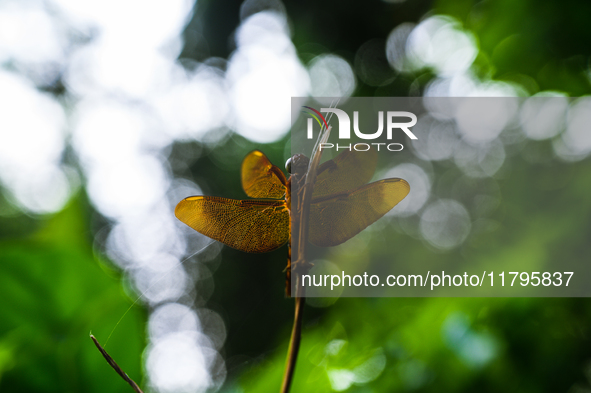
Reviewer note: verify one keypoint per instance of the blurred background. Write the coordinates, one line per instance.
(111, 112)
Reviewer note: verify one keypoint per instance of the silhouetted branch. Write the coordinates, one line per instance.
(294, 343)
(299, 264)
(116, 366)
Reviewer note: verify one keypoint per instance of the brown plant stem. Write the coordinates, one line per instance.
(294, 345)
(300, 265)
(115, 366)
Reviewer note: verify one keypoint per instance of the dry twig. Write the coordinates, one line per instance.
(300, 265)
(116, 367)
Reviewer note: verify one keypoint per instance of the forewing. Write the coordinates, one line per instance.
(250, 225)
(337, 218)
(260, 178)
(347, 171)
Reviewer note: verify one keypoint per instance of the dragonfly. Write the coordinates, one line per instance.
(343, 204)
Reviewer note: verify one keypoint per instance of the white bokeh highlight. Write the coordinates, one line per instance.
(438, 139)
(263, 74)
(420, 188)
(439, 42)
(331, 76)
(575, 142)
(396, 46)
(445, 224)
(32, 131)
(482, 120)
(543, 117)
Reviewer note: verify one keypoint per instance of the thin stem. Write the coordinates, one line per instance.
(294, 345)
(115, 366)
(300, 265)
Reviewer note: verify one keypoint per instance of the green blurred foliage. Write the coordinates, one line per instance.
(54, 293)
(425, 345)
(545, 42)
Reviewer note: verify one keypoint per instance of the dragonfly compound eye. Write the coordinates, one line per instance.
(297, 164)
(288, 164)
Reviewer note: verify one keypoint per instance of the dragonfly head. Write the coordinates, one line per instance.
(297, 164)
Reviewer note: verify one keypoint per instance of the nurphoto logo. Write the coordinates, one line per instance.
(392, 123)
